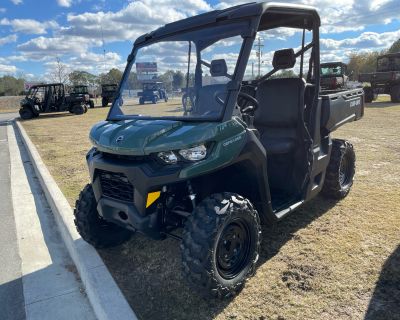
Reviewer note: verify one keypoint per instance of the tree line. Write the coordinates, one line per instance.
(366, 62)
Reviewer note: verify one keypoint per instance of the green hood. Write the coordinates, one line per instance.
(141, 137)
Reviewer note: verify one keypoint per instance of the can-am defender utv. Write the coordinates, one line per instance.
(79, 91)
(47, 98)
(153, 91)
(247, 152)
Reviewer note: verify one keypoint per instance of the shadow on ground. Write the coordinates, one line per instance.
(385, 302)
(149, 272)
(379, 105)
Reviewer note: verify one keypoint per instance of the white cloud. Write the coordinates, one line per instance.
(133, 20)
(3, 10)
(16, 1)
(41, 47)
(370, 40)
(64, 3)
(8, 39)
(29, 26)
(7, 69)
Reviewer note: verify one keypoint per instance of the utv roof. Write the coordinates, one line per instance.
(335, 63)
(272, 15)
(46, 85)
(390, 55)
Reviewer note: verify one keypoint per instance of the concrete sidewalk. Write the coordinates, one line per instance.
(51, 285)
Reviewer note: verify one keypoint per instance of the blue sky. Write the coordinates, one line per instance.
(34, 34)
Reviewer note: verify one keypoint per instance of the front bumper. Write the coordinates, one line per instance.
(145, 176)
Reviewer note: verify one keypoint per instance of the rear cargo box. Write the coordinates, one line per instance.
(341, 107)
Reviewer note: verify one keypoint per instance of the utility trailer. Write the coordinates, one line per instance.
(386, 79)
(245, 153)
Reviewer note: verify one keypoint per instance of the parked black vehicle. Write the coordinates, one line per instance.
(243, 154)
(79, 91)
(45, 98)
(108, 92)
(386, 79)
(334, 75)
(152, 91)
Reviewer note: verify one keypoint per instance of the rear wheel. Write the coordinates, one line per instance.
(26, 113)
(221, 243)
(395, 93)
(93, 229)
(341, 169)
(368, 94)
(104, 102)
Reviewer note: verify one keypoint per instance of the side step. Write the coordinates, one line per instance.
(280, 214)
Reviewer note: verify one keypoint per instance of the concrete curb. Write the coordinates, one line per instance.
(104, 295)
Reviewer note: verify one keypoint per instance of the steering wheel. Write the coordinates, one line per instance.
(244, 96)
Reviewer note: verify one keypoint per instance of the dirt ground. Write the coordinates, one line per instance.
(10, 103)
(326, 261)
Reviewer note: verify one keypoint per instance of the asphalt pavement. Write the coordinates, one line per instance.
(38, 280)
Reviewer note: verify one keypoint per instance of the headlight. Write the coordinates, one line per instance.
(194, 154)
(168, 157)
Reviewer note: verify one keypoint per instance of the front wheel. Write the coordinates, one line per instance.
(26, 113)
(221, 244)
(94, 229)
(368, 94)
(78, 109)
(341, 169)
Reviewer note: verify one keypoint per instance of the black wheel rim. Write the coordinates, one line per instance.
(233, 248)
(345, 171)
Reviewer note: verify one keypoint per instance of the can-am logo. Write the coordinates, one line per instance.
(119, 139)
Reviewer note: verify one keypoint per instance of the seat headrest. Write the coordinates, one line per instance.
(284, 59)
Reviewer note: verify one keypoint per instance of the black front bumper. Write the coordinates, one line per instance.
(145, 175)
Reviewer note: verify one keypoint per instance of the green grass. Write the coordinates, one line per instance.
(326, 261)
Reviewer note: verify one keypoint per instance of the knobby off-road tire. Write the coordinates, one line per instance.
(104, 102)
(368, 94)
(26, 113)
(341, 169)
(395, 93)
(219, 225)
(78, 109)
(92, 228)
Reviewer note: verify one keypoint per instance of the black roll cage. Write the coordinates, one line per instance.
(260, 17)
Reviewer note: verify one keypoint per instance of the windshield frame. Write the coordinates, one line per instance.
(115, 114)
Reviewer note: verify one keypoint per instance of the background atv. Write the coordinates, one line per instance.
(334, 75)
(108, 92)
(153, 92)
(246, 153)
(46, 98)
(79, 91)
(386, 79)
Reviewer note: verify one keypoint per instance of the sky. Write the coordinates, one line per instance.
(35, 33)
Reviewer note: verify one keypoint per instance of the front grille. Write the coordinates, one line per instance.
(116, 186)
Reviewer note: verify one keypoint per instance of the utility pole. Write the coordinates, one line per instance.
(259, 47)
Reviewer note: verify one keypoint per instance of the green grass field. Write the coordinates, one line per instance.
(326, 261)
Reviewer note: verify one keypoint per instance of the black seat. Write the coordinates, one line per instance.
(277, 117)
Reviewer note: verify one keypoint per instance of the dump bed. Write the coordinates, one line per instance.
(340, 107)
(379, 76)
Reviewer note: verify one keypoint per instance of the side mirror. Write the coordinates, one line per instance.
(218, 68)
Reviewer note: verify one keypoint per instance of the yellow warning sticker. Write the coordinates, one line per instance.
(151, 197)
